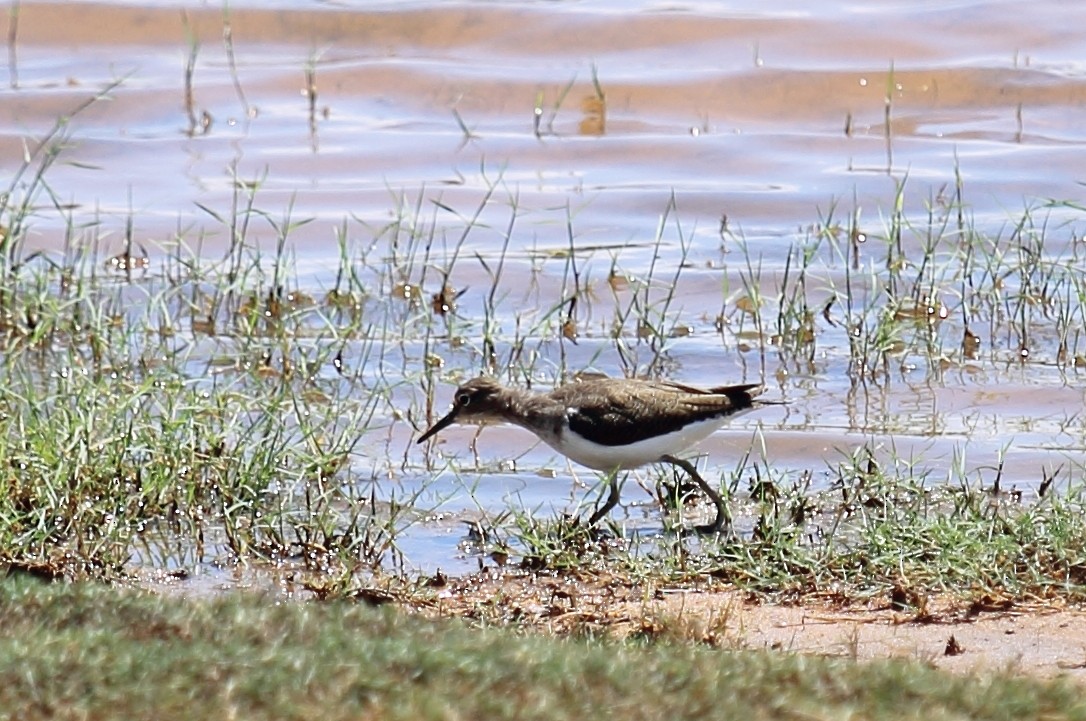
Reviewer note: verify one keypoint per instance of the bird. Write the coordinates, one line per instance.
(611, 424)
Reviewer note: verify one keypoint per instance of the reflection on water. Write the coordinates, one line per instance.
(784, 193)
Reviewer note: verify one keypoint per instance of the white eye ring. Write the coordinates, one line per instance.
(463, 399)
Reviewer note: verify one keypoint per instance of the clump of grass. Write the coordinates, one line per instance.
(209, 404)
(107, 442)
(885, 523)
(562, 544)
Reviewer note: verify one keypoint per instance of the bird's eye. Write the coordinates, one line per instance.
(463, 399)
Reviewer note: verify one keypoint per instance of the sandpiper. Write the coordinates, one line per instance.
(610, 424)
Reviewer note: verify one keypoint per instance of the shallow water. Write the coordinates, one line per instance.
(775, 119)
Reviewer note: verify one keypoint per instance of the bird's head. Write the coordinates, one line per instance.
(476, 401)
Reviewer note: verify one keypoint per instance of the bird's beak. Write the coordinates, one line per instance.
(445, 422)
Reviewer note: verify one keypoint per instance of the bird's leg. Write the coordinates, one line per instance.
(723, 518)
(611, 502)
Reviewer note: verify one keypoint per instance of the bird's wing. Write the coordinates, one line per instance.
(616, 412)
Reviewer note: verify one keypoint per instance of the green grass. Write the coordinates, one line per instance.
(963, 542)
(91, 652)
(877, 536)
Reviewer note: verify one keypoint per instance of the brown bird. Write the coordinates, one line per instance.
(610, 424)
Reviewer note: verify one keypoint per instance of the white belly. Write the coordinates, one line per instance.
(609, 458)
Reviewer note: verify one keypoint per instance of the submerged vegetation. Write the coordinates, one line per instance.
(169, 407)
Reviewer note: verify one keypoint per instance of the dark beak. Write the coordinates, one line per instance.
(445, 422)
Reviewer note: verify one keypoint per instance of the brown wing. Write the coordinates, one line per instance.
(615, 412)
